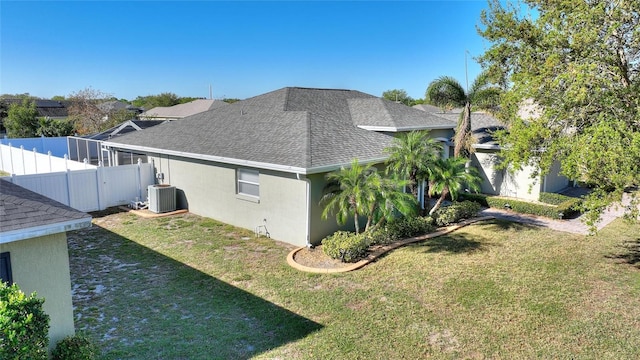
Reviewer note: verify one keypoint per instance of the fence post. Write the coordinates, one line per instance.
(101, 188)
(1, 157)
(49, 154)
(24, 166)
(85, 161)
(68, 178)
(35, 158)
(66, 162)
(139, 178)
(11, 157)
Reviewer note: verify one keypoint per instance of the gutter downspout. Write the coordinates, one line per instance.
(308, 209)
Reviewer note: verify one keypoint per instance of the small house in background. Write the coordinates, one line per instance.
(34, 254)
(180, 111)
(505, 182)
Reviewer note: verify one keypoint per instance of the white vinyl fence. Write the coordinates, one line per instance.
(94, 188)
(21, 161)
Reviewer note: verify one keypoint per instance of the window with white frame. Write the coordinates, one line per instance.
(248, 182)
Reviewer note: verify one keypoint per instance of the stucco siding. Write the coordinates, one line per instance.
(553, 181)
(42, 265)
(505, 182)
(209, 189)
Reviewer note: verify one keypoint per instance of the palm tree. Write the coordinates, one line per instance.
(390, 201)
(450, 176)
(447, 92)
(350, 192)
(411, 155)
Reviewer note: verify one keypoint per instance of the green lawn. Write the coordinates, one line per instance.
(186, 287)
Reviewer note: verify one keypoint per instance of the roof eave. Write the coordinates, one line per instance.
(406, 128)
(248, 163)
(44, 230)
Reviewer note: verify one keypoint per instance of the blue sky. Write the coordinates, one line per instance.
(242, 49)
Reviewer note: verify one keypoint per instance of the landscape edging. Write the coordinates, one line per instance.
(383, 250)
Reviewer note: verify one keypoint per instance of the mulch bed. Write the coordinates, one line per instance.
(316, 258)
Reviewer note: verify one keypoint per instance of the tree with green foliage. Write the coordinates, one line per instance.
(22, 120)
(54, 127)
(447, 92)
(451, 176)
(350, 192)
(24, 325)
(399, 96)
(573, 77)
(411, 155)
(165, 99)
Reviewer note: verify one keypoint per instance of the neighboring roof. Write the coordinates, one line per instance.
(116, 105)
(25, 214)
(428, 108)
(124, 128)
(482, 124)
(183, 110)
(292, 129)
(46, 108)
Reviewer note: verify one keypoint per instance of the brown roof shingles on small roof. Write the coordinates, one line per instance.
(24, 214)
(305, 129)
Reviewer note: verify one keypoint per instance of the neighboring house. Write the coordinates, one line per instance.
(261, 163)
(506, 182)
(181, 111)
(33, 251)
(46, 108)
(115, 106)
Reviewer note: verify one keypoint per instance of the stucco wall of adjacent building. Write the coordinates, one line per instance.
(553, 181)
(210, 189)
(41, 264)
(505, 182)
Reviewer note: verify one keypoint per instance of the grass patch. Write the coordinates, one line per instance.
(187, 287)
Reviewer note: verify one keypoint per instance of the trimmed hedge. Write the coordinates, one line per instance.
(564, 209)
(349, 247)
(346, 246)
(455, 212)
(74, 347)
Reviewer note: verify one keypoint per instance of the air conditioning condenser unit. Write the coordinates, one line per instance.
(162, 198)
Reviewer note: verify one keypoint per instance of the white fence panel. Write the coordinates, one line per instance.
(21, 161)
(84, 192)
(125, 183)
(92, 189)
(51, 185)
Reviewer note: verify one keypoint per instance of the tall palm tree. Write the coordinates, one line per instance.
(390, 201)
(447, 92)
(350, 192)
(410, 156)
(450, 176)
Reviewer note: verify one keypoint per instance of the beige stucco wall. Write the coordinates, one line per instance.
(553, 181)
(209, 189)
(517, 184)
(42, 265)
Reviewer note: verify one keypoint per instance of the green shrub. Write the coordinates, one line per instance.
(551, 211)
(24, 325)
(380, 236)
(455, 212)
(74, 348)
(346, 246)
(408, 227)
(553, 198)
(477, 198)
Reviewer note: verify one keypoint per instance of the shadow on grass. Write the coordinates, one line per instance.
(505, 224)
(451, 243)
(137, 303)
(630, 253)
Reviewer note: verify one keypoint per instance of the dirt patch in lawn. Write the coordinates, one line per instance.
(316, 258)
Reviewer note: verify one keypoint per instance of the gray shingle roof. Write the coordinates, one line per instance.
(22, 209)
(482, 124)
(296, 127)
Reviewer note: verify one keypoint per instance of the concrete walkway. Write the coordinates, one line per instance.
(574, 226)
